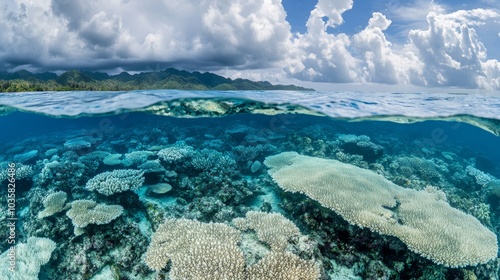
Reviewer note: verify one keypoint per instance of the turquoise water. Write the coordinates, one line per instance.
(104, 183)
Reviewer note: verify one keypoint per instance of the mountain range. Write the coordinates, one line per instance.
(169, 78)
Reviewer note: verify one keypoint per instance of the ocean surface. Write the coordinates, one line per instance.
(168, 184)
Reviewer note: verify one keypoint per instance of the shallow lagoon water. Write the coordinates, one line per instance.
(211, 148)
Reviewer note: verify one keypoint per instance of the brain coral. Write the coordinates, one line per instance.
(426, 223)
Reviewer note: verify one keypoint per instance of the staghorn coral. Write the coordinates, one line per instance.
(427, 224)
(116, 181)
(85, 212)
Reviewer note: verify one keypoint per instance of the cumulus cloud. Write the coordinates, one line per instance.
(102, 30)
(319, 55)
(50, 34)
(380, 63)
(447, 52)
(451, 50)
(251, 39)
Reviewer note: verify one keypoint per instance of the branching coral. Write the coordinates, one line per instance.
(207, 251)
(116, 181)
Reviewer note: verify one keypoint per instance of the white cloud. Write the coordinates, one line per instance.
(320, 56)
(414, 11)
(252, 39)
(380, 64)
(66, 34)
(331, 9)
(447, 52)
(451, 50)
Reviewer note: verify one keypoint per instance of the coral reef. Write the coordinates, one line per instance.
(53, 203)
(85, 212)
(27, 257)
(116, 181)
(271, 228)
(102, 194)
(210, 251)
(427, 224)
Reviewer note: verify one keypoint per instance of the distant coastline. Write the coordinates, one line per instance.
(169, 78)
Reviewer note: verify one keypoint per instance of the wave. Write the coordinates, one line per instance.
(479, 110)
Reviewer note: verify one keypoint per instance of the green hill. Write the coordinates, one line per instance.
(168, 79)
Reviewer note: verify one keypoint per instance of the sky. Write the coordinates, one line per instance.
(329, 42)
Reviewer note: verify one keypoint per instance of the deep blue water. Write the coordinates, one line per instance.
(475, 142)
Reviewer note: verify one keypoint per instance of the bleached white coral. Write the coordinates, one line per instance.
(178, 239)
(209, 251)
(283, 266)
(175, 153)
(271, 228)
(29, 257)
(422, 220)
(116, 181)
(85, 212)
(53, 203)
(22, 171)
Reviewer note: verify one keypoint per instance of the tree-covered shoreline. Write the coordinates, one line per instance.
(170, 78)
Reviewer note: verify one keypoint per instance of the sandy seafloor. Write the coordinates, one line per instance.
(186, 185)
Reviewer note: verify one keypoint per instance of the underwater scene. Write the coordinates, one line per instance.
(260, 185)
